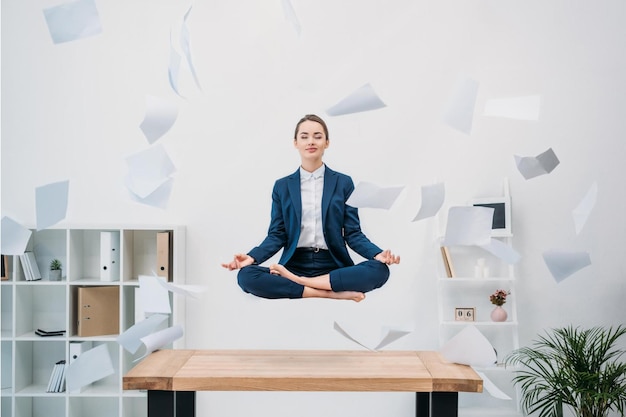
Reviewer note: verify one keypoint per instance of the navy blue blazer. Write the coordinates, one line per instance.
(340, 222)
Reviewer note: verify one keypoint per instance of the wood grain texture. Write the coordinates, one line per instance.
(300, 370)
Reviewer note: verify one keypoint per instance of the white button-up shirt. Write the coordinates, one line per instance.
(311, 188)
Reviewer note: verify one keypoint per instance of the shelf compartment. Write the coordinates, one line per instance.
(6, 364)
(135, 406)
(39, 406)
(35, 360)
(93, 406)
(139, 253)
(40, 306)
(6, 305)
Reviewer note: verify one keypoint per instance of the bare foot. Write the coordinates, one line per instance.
(341, 295)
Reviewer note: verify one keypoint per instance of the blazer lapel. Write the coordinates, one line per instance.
(293, 185)
(330, 181)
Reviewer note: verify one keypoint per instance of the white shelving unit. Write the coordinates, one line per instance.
(470, 287)
(28, 359)
(465, 290)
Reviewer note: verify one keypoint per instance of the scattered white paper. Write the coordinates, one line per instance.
(469, 347)
(389, 336)
(368, 195)
(15, 237)
(154, 297)
(183, 289)
(533, 166)
(519, 108)
(459, 111)
(562, 264)
(583, 210)
(158, 198)
(89, 367)
(502, 251)
(491, 388)
(173, 69)
(131, 338)
(148, 170)
(185, 45)
(363, 99)
(159, 118)
(290, 15)
(51, 203)
(469, 225)
(159, 339)
(73, 21)
(433, 197)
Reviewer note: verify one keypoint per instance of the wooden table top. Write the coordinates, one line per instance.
(300, 370)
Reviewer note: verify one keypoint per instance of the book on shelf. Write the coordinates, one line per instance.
(57, 378)
(447, 262)
(29, 266)
(5, 267)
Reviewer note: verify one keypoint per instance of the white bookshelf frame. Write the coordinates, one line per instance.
(28, 359)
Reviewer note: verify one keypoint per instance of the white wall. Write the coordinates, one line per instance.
(72, 111)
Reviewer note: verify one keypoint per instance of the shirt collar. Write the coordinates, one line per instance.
(317, 174)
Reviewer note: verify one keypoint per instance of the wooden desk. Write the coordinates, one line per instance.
(173, 376)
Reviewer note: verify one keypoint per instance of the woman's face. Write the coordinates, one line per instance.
(311, 140)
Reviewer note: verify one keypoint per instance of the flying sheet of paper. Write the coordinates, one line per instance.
(185, 46)
(519, 108)
(15, 237)
(154, 297)
(534, 166)
(459, 111)
(158, 198)
(173, 69)
(51, 203)
(89, 367)
(183, 289)
(562, 263)
(469, 225)
(433, 197)
(73, 21)
(363, 99)
(389, 336)
(290, 15)
(131, 338)
(502, 251)
(368, 195)
(491, 388)
(148, 170)
(159, 339)
(469, 347)
(583, 210)
(159, 118)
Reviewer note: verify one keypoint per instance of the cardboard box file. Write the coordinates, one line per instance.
(98, 311)
(164, 255)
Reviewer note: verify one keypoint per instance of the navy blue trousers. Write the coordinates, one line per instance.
(363, 277)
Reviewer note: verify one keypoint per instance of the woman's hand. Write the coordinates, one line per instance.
(387, 257)
(240, 260)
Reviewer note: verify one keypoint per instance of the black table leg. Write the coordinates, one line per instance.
(171, 403)
(422, 404)
(436, 404)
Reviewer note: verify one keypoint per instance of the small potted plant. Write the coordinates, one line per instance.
(55, 270)
(498, 298)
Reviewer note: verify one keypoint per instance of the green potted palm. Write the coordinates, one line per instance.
(55, 270)
(572, 367)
